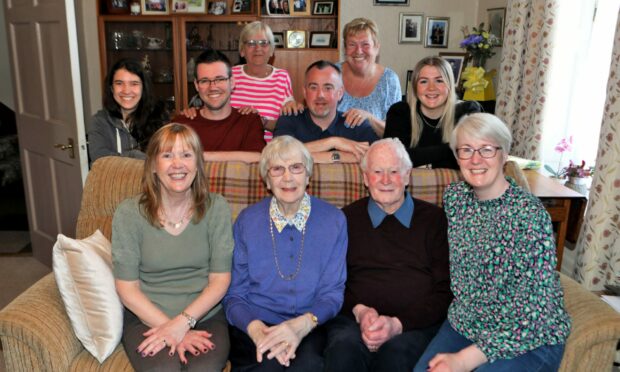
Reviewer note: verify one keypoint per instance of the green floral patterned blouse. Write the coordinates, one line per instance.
(507, 294)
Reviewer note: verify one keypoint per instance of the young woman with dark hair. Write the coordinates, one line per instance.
(130, 114)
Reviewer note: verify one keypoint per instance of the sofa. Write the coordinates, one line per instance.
(36, 333)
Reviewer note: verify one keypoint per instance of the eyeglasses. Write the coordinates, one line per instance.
(216, 81)
(255, 43)
(486, 152)
(278, 170)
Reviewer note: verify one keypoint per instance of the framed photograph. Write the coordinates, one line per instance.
(321, 39)
(118, 6)
(278, 39)
(457, 61)
(278, 7)
(242, 6)
(323, 8)
(155, 7)
(496, 18)
(408, 82)
(300, 7)
(217, 7)
(390, 2)
(295, 39)
(411, 28)
(437, 29)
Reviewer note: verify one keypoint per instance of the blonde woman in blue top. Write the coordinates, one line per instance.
(508, 309)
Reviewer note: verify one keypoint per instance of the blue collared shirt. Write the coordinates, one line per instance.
(403, 214)
(304, 129)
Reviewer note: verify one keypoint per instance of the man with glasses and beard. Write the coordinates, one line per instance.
(225, 134)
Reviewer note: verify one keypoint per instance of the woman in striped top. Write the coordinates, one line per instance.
(258, 84)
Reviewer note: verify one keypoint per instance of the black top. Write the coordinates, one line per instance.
(430, 149)
(400, 271)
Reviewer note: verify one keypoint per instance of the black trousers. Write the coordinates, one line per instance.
(214, 360)
(308, 356)
(345, 350)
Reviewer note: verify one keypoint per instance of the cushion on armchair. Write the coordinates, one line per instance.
(83, 271)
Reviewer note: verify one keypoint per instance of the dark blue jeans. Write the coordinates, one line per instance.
(346, 352)
(544, 358)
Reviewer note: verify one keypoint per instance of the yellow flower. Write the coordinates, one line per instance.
(486, 46)
(485, 35)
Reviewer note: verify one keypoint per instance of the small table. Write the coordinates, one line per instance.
(565, 206)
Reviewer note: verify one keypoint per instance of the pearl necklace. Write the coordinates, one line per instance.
(275, 253)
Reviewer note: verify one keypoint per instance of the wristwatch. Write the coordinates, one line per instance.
(191, 322)
(335, 157)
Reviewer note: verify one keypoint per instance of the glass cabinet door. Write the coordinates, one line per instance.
(151, 43)
(222, 36)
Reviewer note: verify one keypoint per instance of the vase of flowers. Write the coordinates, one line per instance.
(578, 176)
(479, 44)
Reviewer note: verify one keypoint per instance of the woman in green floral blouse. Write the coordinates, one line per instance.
(508, 310)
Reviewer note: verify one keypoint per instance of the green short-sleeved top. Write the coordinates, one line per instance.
(172, 270)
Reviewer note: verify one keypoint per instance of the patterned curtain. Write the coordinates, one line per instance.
(524, 69)
(598, 247)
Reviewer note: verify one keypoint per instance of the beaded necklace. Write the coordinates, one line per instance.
(275, 253)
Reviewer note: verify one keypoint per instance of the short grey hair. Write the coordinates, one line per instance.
(396, 146)
(254, 28)
(284, 148)
(482, 126)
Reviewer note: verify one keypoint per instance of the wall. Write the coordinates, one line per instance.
(402, 57)
(483, 5)
(399, 57)
(6, 87)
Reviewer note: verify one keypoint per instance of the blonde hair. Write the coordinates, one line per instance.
(254, 28)
(446, 120)
(361, 25)
(163, 140)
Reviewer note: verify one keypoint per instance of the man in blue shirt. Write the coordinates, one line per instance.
(321, 126)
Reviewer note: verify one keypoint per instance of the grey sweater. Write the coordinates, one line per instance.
(104, 132)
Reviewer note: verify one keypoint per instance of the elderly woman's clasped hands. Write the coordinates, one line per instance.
(280, 341)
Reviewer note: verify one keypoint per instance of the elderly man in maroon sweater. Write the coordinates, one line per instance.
(398, 280)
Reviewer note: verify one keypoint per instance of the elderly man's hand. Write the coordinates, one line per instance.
(376, 329)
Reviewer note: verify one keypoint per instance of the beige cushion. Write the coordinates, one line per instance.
(83, 271)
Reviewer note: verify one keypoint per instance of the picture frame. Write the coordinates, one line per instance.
(411, 30)
(323, 8)
(242, 6)
(278, 39)
(496, 18)
(300, 7)
(437, 32)
(118, 6)
(321, 39)
(391, 2)
(278, 7)
(217, 7)
(295, 39)
(458, 61)
(155, 7)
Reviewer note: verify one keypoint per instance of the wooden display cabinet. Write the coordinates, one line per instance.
(169, 43)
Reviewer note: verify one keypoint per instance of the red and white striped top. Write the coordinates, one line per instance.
(267, 95)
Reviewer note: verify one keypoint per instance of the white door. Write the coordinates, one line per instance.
(48, 106)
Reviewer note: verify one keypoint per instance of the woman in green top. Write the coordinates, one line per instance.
(172, 255)
(508, 309)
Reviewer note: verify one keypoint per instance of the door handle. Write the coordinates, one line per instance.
(69, 147)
